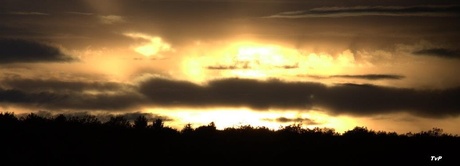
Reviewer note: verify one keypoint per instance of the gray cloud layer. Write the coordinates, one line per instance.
(29, 13)
(439, 52)
(247, 66)
(363, 77)
(294, 120)
(345, 98)
(371, 76)
(73, 101)
(178, 22)
(54, 94)
(430, 11)
(339, 99)
(32, 85)
(16, 50)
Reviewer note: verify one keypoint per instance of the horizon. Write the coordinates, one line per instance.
(131, 118)
(140, 121)
(387, 65)
(36, 140)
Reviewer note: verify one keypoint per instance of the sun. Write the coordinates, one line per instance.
(242, 60)
(262, 61)
(262, 54)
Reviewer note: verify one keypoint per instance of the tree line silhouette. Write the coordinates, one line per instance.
(85, 140)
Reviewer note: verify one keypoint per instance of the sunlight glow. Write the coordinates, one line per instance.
(153, 47)
(235, 117)
(262, 61)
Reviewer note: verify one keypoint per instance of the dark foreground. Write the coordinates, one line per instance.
(34, 140)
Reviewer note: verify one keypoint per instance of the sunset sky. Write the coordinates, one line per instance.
(389, 65)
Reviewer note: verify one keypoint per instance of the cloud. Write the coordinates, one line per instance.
(61, 95)
(245, 65)
(80, 13)
(371, 76)
(29, 13)
(291, 120)
(353, 99)
(363, 77)
(399, 11)
(111, 19)
(229, 67)
(295, 66)
(132, 116)
(439, 52)
(153, 47)
(70, 101)
(17, 51)
(339, 99)
(57, 85)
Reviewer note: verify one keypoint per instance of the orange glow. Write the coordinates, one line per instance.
(262, 61)
(152, 47)
(234, 117)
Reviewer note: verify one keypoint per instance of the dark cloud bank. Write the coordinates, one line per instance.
(294, 120)
(362, 77)
(371, 76)
(55, 94)
(31, 85)
(430, 11)
(439, 52)
(17, 50)
(345, 98)
(351, 99)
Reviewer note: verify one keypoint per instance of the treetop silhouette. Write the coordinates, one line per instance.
(84, 140)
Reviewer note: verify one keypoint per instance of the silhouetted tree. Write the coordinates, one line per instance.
(116, 143)
(321, 132)
(246, 127)
(158, 124)
(434, 132)
(8, 119)
(140, 122)
(293, 129)
(386, 134)
(207, 130)
(60, 119)
(118, 122)
(359, 132)
(187, 129)
(212, 125)
(263, 129)
(34, 120)
(87, 120)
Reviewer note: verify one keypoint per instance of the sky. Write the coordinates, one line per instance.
(389, 65)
